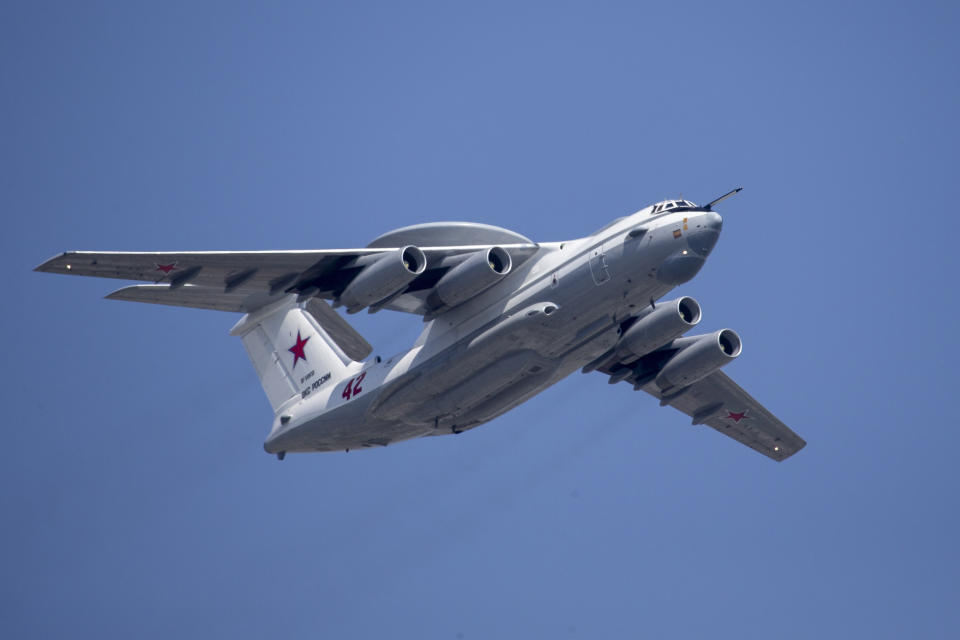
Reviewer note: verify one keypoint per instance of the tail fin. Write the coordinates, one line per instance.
(290, 347)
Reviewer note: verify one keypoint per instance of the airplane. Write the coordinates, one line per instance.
(505, 318)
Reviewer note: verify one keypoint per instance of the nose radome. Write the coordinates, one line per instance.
(712, 220)
(705, 233)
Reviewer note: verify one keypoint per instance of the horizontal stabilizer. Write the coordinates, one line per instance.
(195, 296)
(347, 338)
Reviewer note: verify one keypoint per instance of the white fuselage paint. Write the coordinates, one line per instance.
(464, 371)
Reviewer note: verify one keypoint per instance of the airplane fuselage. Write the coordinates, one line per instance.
(558, 311)
(505, 318)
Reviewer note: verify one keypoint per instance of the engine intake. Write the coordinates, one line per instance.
(389, 274)
(667, 321)
(699, 356)
(479, 272)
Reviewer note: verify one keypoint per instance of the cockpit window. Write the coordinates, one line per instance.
(669, 205)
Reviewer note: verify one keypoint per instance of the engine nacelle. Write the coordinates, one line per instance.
(667, 321)
(477, 273)
(386, 276)
(698, 357)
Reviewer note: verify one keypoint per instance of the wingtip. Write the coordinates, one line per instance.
(117, 294)
(796, 449)
(48, 265)
(59, 263)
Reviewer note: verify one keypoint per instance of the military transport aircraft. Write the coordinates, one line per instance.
(505, 318)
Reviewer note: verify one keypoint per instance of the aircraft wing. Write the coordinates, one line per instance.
(226, 280)
(720, 403)
(246, 280)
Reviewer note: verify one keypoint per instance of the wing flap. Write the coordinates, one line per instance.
(195, 297)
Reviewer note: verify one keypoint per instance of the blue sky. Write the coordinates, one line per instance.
(137, 500)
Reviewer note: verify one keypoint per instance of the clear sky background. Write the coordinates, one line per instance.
(136, 498)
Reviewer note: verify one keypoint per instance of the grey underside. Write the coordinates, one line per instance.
(460, 388)
(345, 427)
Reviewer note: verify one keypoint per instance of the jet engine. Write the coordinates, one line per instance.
(699, 356)
(389, 274)
(667, 321)
(477, 273)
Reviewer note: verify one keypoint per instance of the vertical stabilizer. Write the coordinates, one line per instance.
(290, 350)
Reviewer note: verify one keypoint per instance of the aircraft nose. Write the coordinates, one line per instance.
(705, 232)
(712, 220)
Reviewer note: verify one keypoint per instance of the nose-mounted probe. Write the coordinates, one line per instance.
(709, 205)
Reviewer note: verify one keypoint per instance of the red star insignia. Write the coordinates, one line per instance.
(297, 349)
(737, 417)
(167, 268)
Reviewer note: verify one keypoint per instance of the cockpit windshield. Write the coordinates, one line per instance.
(668, 205)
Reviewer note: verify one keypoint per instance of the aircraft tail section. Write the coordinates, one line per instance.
(294, 346)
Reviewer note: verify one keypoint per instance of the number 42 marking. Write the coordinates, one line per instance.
(353, 386)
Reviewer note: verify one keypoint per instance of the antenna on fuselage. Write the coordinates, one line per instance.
(709, 205)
